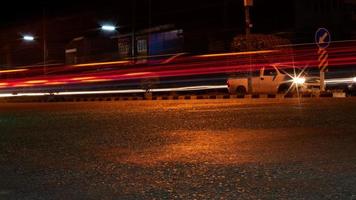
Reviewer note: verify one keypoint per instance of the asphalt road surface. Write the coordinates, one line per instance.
(207, 149)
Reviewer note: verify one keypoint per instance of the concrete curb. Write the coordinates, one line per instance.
(162, 98)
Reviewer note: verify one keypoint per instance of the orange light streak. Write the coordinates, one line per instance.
(56, 83)
(96, 80)
(12, 71)
(36, 81)
(83, 78)
(237, 53)
(101, 63)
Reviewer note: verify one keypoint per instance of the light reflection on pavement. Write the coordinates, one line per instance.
(207, 149)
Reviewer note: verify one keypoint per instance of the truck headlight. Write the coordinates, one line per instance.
(354, 79)
(299, 81)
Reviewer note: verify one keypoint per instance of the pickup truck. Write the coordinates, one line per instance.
(266, 81)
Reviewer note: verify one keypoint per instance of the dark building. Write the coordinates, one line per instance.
(85, 49)
(165, 39)
(154, 41)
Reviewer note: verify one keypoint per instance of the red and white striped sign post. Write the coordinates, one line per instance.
(323, 39)
(323, 64)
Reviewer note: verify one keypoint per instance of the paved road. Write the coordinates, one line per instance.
(208, 149)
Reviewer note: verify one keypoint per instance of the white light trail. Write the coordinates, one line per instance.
(340, 80)
(192, 88)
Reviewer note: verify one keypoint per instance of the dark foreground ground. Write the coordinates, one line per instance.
(208, 149)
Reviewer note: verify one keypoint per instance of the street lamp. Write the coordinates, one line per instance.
(248, 4)
(108, 28)
(28, 38)
(248, 26)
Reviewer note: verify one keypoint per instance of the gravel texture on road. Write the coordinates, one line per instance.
(204, 149)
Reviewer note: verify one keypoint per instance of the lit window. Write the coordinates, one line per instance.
(141, 46)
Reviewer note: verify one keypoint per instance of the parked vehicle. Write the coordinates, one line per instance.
(266, 81)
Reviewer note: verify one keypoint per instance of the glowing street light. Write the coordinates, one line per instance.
(108, 28)
(28, 38)
(298, 80)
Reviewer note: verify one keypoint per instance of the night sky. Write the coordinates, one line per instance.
(188, 14)
(66, 20)
(268, 15)
(33, 10)
(183, 11)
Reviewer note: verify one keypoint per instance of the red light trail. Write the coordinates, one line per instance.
(183, 66)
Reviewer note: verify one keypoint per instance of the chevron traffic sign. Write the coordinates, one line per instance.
(323, 40)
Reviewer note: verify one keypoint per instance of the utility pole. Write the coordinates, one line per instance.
(248, 25)
(248, 4)
(133, 38)
(45, 51)
(149, 14)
